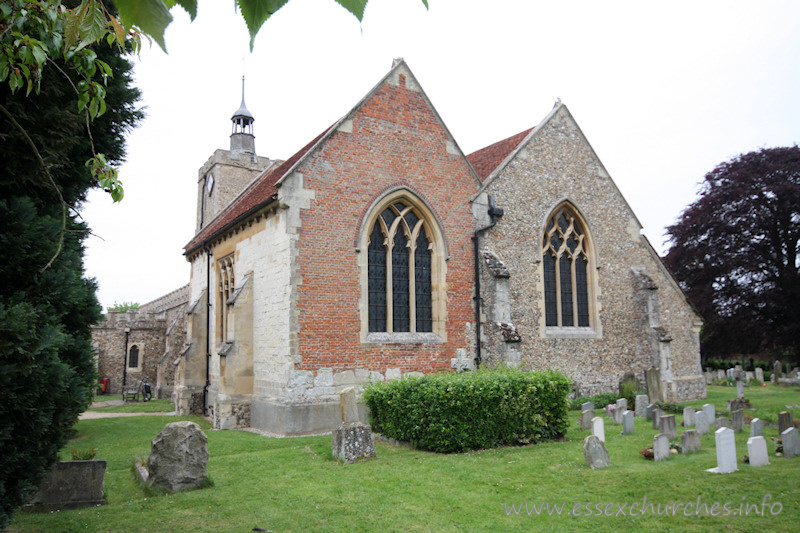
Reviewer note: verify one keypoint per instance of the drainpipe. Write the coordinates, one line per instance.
(494, 214)
(125, 359)
(208, 329)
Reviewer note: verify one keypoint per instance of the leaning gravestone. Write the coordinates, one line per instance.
(701, 424)
(668, 426)
(689, 416)
(737, 420)
(785, 421)
(352, 440)
(586, 419)
(657, 413)
(660, 447)
(641, 405)
(648, 412)
(726, 452)
(599, 428)
(756, 427)
(711, 412)
(627, 422)
(178, 458)
(791, 443)
(595, 453)
(690, 441)
(757, 451)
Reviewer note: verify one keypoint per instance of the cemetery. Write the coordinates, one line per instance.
(303, 483)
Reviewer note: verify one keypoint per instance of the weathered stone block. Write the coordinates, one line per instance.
(595, 453)
(179, 457)
(690, 441)
(70, 485)
(353, 442)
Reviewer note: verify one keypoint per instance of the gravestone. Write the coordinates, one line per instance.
(734, 404)
(701, 424)
(689, 416)
(586, 419)
(648, 411)
(740, 389)
(655, 389)
(348, 405)
(726, 452)
(738, 367)
(668, 426)
(599, 428)
(352, 440)
(595, 453)
(178, 458)
(627, 422)
(616, 414)
(737, 420)
(711, 413)
(641, 405)
(722, 422)
(587, 406)
(757, 451)
(690, 441)
(785, 421)
(791, 443)
(709, 378)
(729, 372)
(721, 375)
(777, 370)
(657, 417)
(622, 403)
(660, 447)
(756, 427)
(749, 376)
(760, 374)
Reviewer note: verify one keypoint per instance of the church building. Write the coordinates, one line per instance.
(381, 250)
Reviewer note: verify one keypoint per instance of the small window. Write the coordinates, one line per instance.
(133, 357)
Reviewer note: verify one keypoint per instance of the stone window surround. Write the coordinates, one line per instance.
(594, 330)
(226, 284)
(138, 367)
(438, 270)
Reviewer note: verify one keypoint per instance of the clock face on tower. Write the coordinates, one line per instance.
(209, 183)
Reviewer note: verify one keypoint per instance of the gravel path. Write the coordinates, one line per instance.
(91, 415)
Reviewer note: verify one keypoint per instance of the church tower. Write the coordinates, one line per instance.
(228, 172)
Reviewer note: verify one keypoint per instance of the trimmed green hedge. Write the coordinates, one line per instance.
(449, 413)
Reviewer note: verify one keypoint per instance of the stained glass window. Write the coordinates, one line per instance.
(565, 266)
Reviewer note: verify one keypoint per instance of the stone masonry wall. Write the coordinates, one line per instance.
(559, 165)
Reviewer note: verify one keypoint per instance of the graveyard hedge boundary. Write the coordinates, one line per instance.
(450, 413)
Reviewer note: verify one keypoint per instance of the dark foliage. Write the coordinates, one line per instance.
(735, 253)
(46, 364)
(455, 412)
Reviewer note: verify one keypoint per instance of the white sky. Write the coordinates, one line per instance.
(664, 91)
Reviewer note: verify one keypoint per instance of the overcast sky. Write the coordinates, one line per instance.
(664, 91)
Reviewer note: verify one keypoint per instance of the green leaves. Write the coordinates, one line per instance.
(106, 176)
(256, 13)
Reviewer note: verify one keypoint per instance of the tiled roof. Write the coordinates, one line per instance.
(486, 159)
(259, 194)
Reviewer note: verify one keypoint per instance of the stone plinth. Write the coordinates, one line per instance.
(353, 442)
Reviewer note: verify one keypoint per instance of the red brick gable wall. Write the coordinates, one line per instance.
(396, 140)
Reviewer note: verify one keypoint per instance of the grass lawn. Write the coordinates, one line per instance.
(152, 406)
(293, 484)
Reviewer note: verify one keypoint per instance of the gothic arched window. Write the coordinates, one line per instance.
(566, 269)
(400, 251)
(133, 357)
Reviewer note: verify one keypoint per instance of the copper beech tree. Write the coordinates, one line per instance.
(735, 254)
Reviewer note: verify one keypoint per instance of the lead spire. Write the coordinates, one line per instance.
(242, 138)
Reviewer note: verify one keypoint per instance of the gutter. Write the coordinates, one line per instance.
(494, 214)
